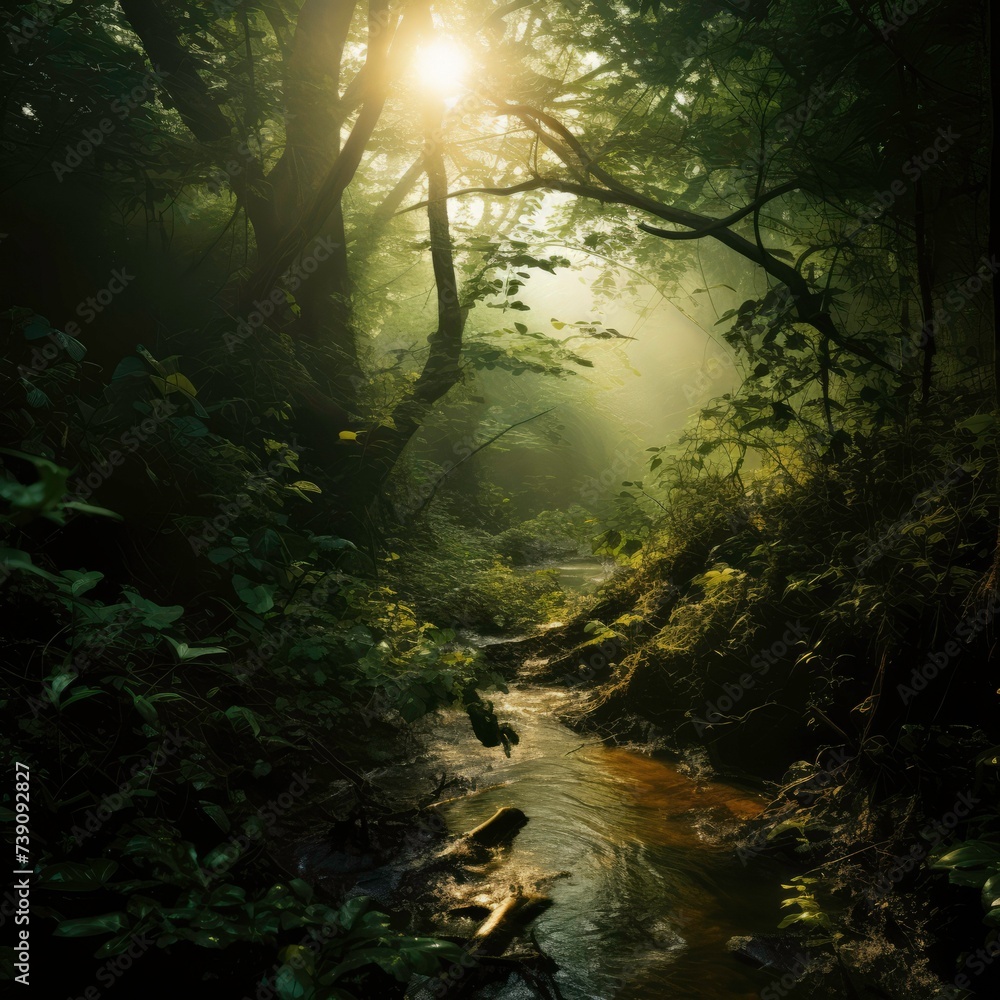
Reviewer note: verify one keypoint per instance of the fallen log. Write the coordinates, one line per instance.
(500, 828)
(509, 919)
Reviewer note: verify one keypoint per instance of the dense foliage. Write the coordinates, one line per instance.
(273, 288)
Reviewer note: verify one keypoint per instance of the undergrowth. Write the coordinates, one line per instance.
(838, 610)
(190, 664)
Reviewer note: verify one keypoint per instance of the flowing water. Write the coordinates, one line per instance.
(582, 575)
(644, 900)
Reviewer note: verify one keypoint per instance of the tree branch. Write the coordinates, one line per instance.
(179, 69)
(729, 220)
(441, 369)
(198, 109)
(381, 31)
(475, 451)
(312, 93)
(809, 305)
(390, 203)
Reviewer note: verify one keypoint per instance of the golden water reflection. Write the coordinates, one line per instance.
(644, 898)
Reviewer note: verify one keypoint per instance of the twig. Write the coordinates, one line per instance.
(485, 444)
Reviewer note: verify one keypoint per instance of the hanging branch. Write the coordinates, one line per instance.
(809, 305)
(441, 368)
(475, 451)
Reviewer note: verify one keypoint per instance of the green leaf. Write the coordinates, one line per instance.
(75, 876)
(217, 814)
(153, 615)
(130, 366)
(145, 708)
(40, 496)
(259, 598)
(80, 583)
(35, 396)
(38, 328)
(353, 910)
(16, 559)
(386, 959)
(62, 681)
(235, 713)
(186, 652)
(328, 543)
(971, 854)
(79, 694)
(71, 346)
(107, 923)
(980, 424)
(292, 983)
(302, 889)
(991, 892)
(89, 508)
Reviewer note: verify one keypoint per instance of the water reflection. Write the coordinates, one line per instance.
(643, 903)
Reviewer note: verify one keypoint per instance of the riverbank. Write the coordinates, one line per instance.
(806, 666)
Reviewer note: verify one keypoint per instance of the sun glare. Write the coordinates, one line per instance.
(442, 67)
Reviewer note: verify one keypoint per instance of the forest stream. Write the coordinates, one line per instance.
(643, 901)
(644, 898)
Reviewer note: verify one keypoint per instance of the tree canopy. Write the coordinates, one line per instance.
(312, 166)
